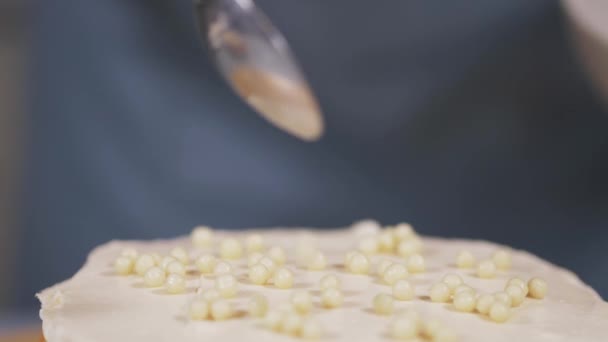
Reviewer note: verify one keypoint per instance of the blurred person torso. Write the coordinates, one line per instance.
(468, 118)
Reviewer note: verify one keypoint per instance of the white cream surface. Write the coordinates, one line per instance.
(98, 306)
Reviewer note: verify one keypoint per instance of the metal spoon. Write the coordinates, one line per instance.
(257, 62)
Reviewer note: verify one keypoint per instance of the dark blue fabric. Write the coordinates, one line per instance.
(469, 118)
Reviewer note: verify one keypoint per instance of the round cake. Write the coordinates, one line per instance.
(363, 283)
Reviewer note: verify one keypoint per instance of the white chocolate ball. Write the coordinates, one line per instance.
(359, 264)
(259, 274)
(394, 272)
(143, 263)
(403, 290)
(404, 328)
(269, 263)
(254, 258)
(383, 304)
(464, 288)
(368, 245)
(221, 310)
(504, 298)
(484, 303)
(199, 310)
(129, 253)
(206, 263)
(211, 295)
(439, 293)
(348, 257)
(254, 243)
(409, 247)
(366, 228)
(181, 255)
(176, 267)
(452, 281)
(502, 259)
(465, 259)
(499, 312)
(317, 262)
(175, 284)
(283, 278)
(403, 231)
(292, 324)
(537, 288)
(278, 255)
(273, 320)
(301, 301)
(331, 298)
(431, 328)
(231, 249)
(311, 329)
(519, 282)
(154, 277)
(222, 267)
(124, 265)
(382, 266)
(416, 263)
(386, 241)
(486, 269)
(330, 281)
(165, 261)
(464, 301)
(201, 237)
(157, 258)
(227, 285)
(258, 305)
(516, 293)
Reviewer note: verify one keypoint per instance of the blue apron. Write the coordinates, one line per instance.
(469, 118)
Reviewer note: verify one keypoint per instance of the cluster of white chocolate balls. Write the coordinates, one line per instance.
(486, 269)
(266, 266)
(155, 270)
(409, 326)
(496, 306)
(210, 305)
(400, 239)
(293, 318)
(170, 271)
(403, 241)
(269, 268)
(290, 322)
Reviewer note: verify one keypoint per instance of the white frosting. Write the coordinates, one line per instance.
(98, 306)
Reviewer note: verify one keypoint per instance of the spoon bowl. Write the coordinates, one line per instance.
(255, 59)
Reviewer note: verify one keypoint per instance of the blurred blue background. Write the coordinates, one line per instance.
(471, 119)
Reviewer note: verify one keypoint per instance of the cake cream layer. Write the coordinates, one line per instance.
(96, 305)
